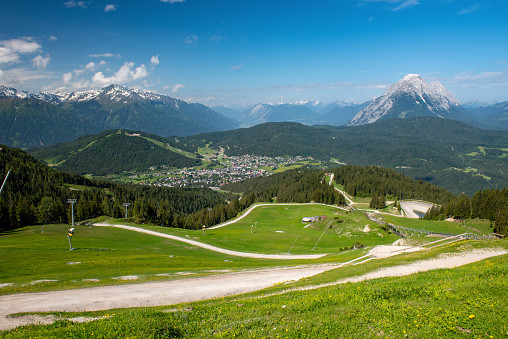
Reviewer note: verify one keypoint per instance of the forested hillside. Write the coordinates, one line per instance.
(112, 152)
(299, 185)
(31, 122)
(488, 204)
(35, 193)
(448, 153)
(377, 181)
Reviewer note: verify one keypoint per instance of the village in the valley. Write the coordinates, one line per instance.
(222, 169)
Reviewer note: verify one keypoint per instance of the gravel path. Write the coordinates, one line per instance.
(193, 289)
(145, 294)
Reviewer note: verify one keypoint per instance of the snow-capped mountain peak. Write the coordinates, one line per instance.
(113, 92)
(410, 96)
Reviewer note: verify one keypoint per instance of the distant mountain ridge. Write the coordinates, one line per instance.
(39, 119)
(112, 92)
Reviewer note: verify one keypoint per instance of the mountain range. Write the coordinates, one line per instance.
(39, 119)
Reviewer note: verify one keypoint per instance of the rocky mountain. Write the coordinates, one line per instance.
(66, 116)
(411, 96)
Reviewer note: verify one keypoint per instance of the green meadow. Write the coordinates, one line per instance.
(468, 301)
(276, 229)
(37, 258)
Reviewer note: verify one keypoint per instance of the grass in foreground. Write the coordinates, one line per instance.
(468, 301)
(103, 254)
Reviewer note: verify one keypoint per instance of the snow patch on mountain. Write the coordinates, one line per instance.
(434, 97)
(114, 93)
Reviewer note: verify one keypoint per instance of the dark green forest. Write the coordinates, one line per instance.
(378, 181)
(298, 185)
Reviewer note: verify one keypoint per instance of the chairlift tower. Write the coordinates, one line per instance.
(126, 205)
(72, 202)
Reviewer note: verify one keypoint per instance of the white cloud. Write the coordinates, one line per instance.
(91, 66)
(401, 4)
(155, 60)
(52, 38)
(7, 55)
(474, 79)
(102, 63)
(217, 38)
(72, 4)
(41, 62)
(236, 67)
(22, 75)
(126, 73)
(172, 1)
(21, 46)
(469, 9)
(105, 55)
(67, 77)
(190, 39)
(81, 84)
(177, 87)
(405, 4)
(110, 8)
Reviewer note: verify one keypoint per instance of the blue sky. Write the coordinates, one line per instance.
(230, 52)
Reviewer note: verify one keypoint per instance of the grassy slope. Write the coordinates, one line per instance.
(103, 253)
(278, 227)
(468, 301)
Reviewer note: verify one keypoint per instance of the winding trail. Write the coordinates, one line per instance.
(217, 249)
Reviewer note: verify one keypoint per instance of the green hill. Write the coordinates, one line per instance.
(112, 152)
(448, 153)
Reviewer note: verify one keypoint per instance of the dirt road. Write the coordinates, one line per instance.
(174, 292)
(410, 206)
(146, 294)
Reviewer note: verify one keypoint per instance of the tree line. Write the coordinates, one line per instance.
(368, 181)
(488, 204)
(300, 185)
